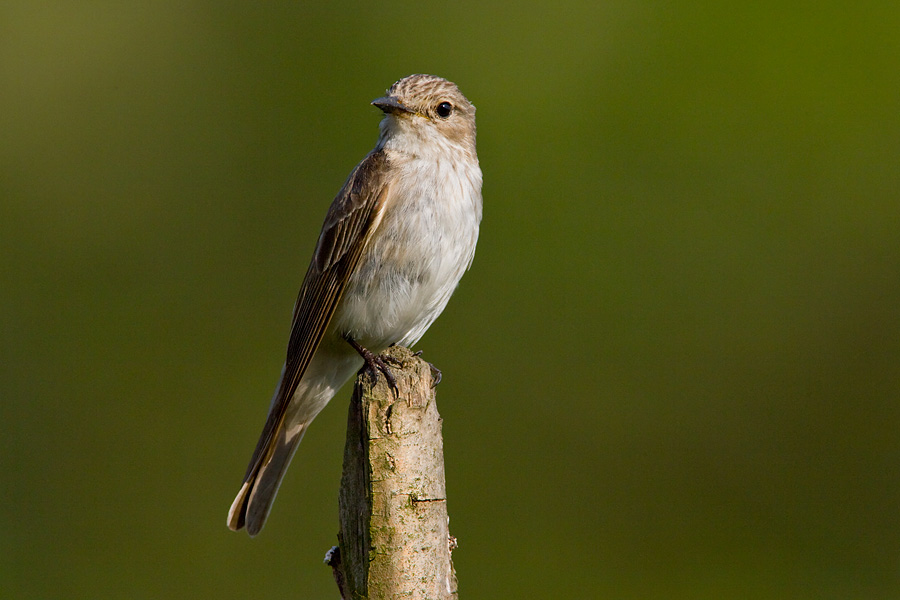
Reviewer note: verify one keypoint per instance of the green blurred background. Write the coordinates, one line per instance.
(673, 371)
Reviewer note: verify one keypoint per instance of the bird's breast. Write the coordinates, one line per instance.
(417, 255)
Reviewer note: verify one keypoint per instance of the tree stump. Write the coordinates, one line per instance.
(394, 537)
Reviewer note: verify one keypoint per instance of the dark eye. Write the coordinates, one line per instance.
(444, 109)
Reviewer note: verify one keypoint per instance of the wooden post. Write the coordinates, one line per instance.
(394, 539)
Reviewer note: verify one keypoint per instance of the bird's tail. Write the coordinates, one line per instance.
(254, 501)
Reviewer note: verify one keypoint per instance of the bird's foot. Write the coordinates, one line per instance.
(435, 372)
(435, 375)
(376, 363)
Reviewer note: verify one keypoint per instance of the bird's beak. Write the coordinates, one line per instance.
(390, 104)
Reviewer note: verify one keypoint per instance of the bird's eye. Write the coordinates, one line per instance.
(444, 109)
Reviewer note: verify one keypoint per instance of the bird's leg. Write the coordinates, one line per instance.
(375, 363)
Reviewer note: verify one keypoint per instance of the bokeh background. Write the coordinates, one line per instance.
(673, 371)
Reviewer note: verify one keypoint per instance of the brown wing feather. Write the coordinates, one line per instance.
(346, 230)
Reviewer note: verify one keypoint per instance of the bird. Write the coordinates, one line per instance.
(395, 243)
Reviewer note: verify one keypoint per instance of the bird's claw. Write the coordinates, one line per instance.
(435, 375)
(380, 363)
(376, 363)
(435, 372)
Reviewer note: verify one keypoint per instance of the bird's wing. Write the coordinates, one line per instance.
(353, 216)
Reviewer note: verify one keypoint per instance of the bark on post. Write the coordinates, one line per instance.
(394, 539)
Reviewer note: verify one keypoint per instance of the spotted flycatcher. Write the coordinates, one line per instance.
(395, 243)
